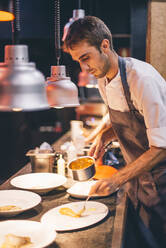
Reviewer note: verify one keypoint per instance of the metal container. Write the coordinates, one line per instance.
(42, 161)
(82, 174)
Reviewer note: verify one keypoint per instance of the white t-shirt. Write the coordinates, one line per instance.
(148, 94)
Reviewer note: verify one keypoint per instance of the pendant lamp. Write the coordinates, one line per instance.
(85, 79)
(22, 86)
(6, 13)
(77, 13)
(61, 91)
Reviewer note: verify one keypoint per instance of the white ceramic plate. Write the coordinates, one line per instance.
(40, 235)
(81, 189)
(38, 182)
(19, 198)
(95, 211)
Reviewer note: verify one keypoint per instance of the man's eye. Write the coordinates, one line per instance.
(85, 59)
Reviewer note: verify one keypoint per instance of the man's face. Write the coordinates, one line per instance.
(91, 59)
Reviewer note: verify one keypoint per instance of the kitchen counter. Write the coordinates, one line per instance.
(108, 233)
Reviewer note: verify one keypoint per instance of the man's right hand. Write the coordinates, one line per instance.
(97, 149)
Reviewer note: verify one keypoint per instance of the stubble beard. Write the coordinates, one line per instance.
(104, 70)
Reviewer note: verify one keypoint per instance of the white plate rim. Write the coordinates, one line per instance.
(22, 192)
(83, 196)
(13, 181)
(44, 218)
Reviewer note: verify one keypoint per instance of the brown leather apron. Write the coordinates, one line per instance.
(148, 191)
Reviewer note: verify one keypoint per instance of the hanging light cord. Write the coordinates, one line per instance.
(79, 4)
(57, 31)
(16, 21)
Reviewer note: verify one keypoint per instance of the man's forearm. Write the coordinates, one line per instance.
(104, 124)
(108, 135)
(145, 162)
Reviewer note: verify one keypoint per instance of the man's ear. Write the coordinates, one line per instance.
(105, 45)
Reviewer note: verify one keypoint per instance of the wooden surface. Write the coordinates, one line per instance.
(156, 35)
(106, 234)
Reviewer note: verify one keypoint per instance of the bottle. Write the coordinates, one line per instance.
(71, 152)
(79, 143)
(57, 156)
(61, 166)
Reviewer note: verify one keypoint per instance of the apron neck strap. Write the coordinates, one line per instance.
(122, 67)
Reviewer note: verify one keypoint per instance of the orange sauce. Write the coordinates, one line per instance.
(68, 212)
(81, 163)
(9, 208)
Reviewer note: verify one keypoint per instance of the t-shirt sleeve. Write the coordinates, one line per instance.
(150, 97)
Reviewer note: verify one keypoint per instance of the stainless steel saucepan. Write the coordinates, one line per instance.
(82, 168)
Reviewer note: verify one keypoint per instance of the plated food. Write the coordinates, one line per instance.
(25, 234)
(95, 212)
(69, 212)
(9, 208)
(39, 182)
(13, 202)
(14, 241)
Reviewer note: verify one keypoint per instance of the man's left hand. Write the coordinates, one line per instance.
(103, 187)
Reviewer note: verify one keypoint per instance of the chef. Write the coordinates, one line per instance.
(135, 94)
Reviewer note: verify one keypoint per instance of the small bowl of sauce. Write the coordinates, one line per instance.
(82, 168)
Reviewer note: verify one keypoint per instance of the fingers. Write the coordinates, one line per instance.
(99, 151)
(102, 187)
(96, 150)
(94, 189)
(92, 149)
(89, 139)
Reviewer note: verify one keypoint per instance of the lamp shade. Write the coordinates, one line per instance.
(6, 10)
(22, 86)
(77, 13)
(61, 92)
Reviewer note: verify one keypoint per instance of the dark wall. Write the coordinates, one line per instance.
(37, 25)
(20, 132)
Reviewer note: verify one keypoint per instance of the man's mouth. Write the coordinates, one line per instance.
(92, 71)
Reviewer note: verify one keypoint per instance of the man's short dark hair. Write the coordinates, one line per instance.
(90, 29)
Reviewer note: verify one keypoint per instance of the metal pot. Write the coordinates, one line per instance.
(42, 161)
(82, 174)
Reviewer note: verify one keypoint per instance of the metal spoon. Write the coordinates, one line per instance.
(83, 209)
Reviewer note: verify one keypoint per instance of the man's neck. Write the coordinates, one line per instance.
(114, 68)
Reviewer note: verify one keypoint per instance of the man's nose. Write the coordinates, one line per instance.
(84, 67)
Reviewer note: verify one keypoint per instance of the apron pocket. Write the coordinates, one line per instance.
(147, 190)
(159, 175)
